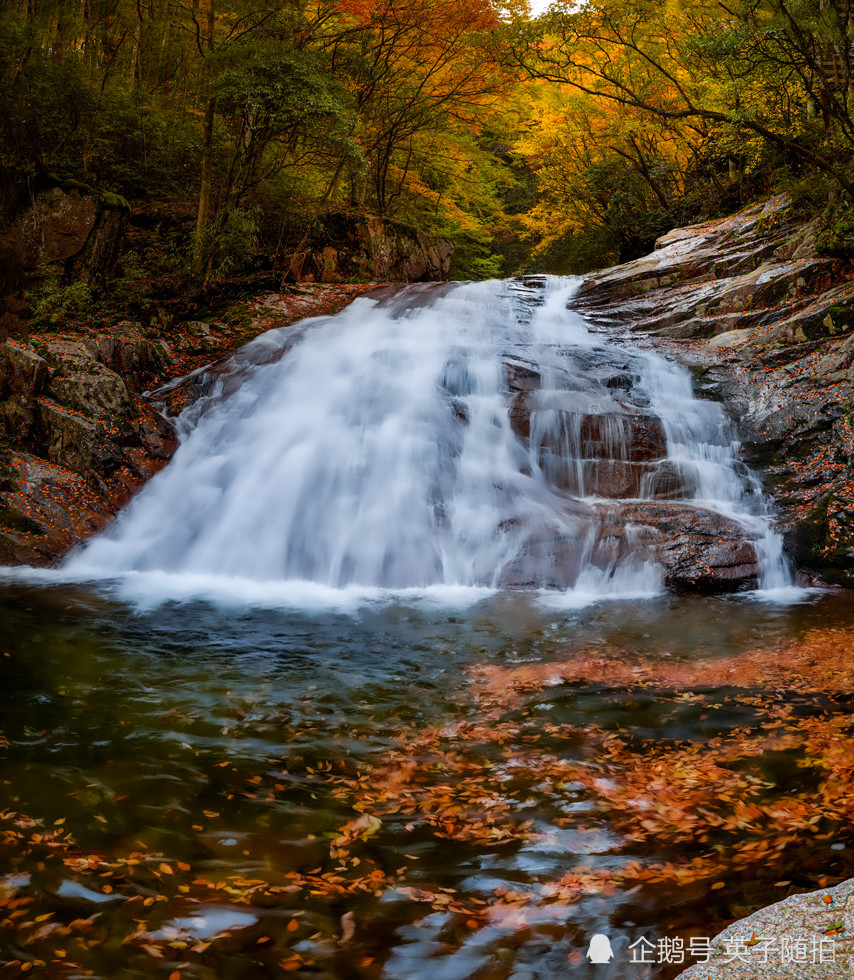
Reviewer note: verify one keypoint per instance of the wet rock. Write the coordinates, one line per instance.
(567, 424)
(521, 376)
(627, 436)
(696, 254)
(699, 550)
(519, 414)
(779, 321)
(696, 550)
(549, 558)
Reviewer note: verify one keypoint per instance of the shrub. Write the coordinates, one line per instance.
(52, 303)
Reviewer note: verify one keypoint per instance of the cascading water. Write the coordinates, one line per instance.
(462, 435)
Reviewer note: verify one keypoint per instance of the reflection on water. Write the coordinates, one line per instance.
(406, 792)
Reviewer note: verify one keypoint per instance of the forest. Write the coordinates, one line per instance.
(557, 141)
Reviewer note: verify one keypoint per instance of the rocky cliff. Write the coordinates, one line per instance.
(68, 229)
(768, 325)
(342, 247)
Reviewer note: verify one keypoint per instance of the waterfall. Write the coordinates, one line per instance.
(443, 435)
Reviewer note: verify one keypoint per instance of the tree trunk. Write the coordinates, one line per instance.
(207, 156)
(205, 189)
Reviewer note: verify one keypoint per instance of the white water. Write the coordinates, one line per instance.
(377, 453)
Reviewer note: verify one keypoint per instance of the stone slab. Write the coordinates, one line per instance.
(808, 936)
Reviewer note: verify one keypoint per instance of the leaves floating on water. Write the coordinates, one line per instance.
(503, 775)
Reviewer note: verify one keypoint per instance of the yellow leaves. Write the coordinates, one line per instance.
(361, 828)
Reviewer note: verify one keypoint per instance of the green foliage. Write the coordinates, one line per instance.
(231, 242)
(115, 202)
(52, 303)
(834, 237)
(133, 286)
(474, 259)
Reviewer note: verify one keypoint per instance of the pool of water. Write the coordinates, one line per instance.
(403, 790)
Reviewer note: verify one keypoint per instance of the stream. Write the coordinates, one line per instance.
(380, 677)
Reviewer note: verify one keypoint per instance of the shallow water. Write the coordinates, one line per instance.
(227, 741)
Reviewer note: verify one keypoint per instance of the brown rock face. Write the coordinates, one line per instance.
(587, 454)
(57, 226)
(697, 550)
(345, 247)
(72, 230)
(96, 438)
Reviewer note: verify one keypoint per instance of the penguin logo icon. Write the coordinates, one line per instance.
(600, 949)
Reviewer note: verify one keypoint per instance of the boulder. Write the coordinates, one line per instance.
(57, 226)
(696, 550)
(342, 246)
(23, 376)
(699, 550)
(76, 442)
(66, 226)
(97, 392)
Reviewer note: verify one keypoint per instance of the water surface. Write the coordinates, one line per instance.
(217, 761)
